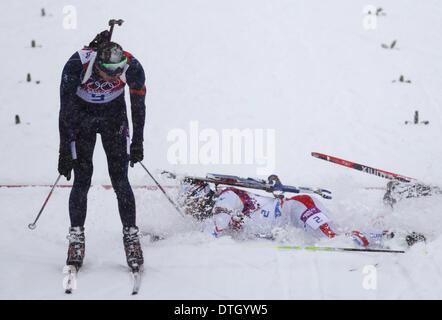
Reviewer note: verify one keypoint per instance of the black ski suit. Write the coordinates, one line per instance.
(90, 105)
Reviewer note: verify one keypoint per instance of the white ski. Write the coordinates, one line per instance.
(70, 281)
(136, 274)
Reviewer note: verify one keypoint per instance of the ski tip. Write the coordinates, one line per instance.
(316, 154)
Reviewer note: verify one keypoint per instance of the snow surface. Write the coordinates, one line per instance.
(308, 69)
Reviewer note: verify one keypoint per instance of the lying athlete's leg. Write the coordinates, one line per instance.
(311, 215)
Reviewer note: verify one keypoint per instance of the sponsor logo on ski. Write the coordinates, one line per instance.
(375, 172)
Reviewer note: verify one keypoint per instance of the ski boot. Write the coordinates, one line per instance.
(76, 247)
(132, 247)
(414, 237)
(398, 190)
(374, 239)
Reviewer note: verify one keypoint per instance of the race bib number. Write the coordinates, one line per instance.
(314, 217)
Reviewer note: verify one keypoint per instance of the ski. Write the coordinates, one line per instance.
(136, 275)
(363, 168)
(70, 281)
(274, 185)
(340, 249)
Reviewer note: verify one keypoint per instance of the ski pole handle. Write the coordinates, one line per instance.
(33, 225)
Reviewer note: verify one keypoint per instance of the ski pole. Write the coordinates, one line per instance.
(273, 186)
(32, 226)
(340, 249)
(164, 191)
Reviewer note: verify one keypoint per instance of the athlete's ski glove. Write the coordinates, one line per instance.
(65, 164)
(237, 220)
(136, 153)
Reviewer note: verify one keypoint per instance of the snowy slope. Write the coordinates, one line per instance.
(308, 69)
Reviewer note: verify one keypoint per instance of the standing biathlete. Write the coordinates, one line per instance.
(92, 101)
